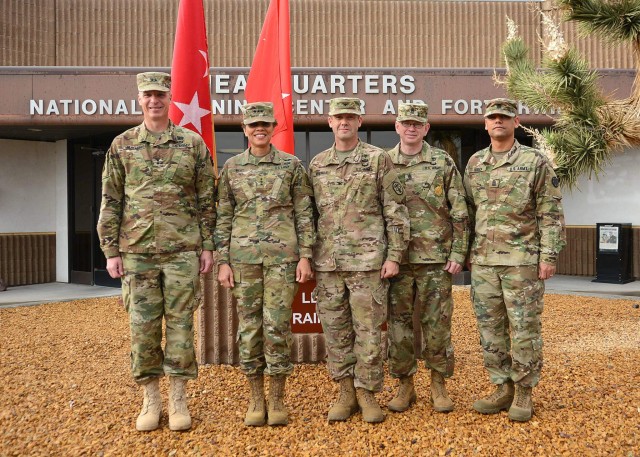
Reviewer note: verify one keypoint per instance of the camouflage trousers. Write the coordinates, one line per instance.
(352, 306)
(264, 296)
(157, 286)
(426, 287)
(508, 302)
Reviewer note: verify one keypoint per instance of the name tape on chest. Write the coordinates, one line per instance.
(133, 147)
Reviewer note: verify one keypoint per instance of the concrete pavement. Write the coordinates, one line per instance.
(36, 294)
(583, 285)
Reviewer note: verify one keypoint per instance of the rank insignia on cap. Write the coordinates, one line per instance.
(345, 105)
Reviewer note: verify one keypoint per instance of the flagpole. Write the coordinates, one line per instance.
(270, 75)
(214, 153)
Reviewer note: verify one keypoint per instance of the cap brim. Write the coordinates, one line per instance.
(345, 111)
(153, 87)
(422, 120)
(500, 111)
(251, 120)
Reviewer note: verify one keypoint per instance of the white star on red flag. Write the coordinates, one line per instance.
(190, 90)
(192, 113)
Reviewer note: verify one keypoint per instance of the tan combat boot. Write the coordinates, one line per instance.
(347, 404)
(179, 417)
(369, 406)
(405, 397)
(256, 412)
(149, 418)
(522, 407)
(277, 414)
(439, 397)
(498, 401)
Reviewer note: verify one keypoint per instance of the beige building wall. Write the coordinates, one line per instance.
(324, 33)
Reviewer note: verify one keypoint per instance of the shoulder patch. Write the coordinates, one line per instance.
(555, 181)
(397, 187)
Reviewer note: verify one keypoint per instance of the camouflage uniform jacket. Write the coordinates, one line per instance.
(265, 211)
(436, 204)
(157, 194)
(362, 217)
(515, 206)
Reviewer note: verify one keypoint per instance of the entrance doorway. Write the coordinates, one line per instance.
(86, 260)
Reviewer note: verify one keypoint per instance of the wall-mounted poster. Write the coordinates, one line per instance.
(608, 238)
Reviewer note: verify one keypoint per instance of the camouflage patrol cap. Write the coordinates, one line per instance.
(501, 106)
(345, 105)
(258, 112)
(413, 112)
(154, 80)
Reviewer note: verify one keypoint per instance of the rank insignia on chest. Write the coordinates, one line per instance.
(365, 161)
(438, 191)
(495, 182)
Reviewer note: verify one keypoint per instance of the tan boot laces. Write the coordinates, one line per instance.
(521, 399)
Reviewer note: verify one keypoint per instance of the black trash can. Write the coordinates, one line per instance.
(614, 253)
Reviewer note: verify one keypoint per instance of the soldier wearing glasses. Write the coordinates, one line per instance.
(437, 249)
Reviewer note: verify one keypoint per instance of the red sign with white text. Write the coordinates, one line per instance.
(305, 319)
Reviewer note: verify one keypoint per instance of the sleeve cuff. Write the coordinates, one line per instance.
(394, 256)
(458, 258)
(550, 259)
(111, 252)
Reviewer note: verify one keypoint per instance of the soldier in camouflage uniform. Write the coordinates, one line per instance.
(264, 235)
(437, 249)
(156, 230)
(362, 231)
(515, 207)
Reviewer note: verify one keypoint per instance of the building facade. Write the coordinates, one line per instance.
(68, 88)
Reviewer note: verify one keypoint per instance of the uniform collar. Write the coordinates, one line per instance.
(247, 158)
(332, 157)
(145, 136)
(425, 155)
(511, 156)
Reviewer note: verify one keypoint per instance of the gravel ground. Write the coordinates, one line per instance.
(65, 389)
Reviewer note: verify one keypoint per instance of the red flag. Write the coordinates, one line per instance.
(191, 93)
(270, 76)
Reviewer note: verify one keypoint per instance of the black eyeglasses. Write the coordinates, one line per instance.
(409, 124)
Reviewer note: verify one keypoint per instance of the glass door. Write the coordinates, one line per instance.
(86, 260)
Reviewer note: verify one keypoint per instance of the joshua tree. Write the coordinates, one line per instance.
(589, 127)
